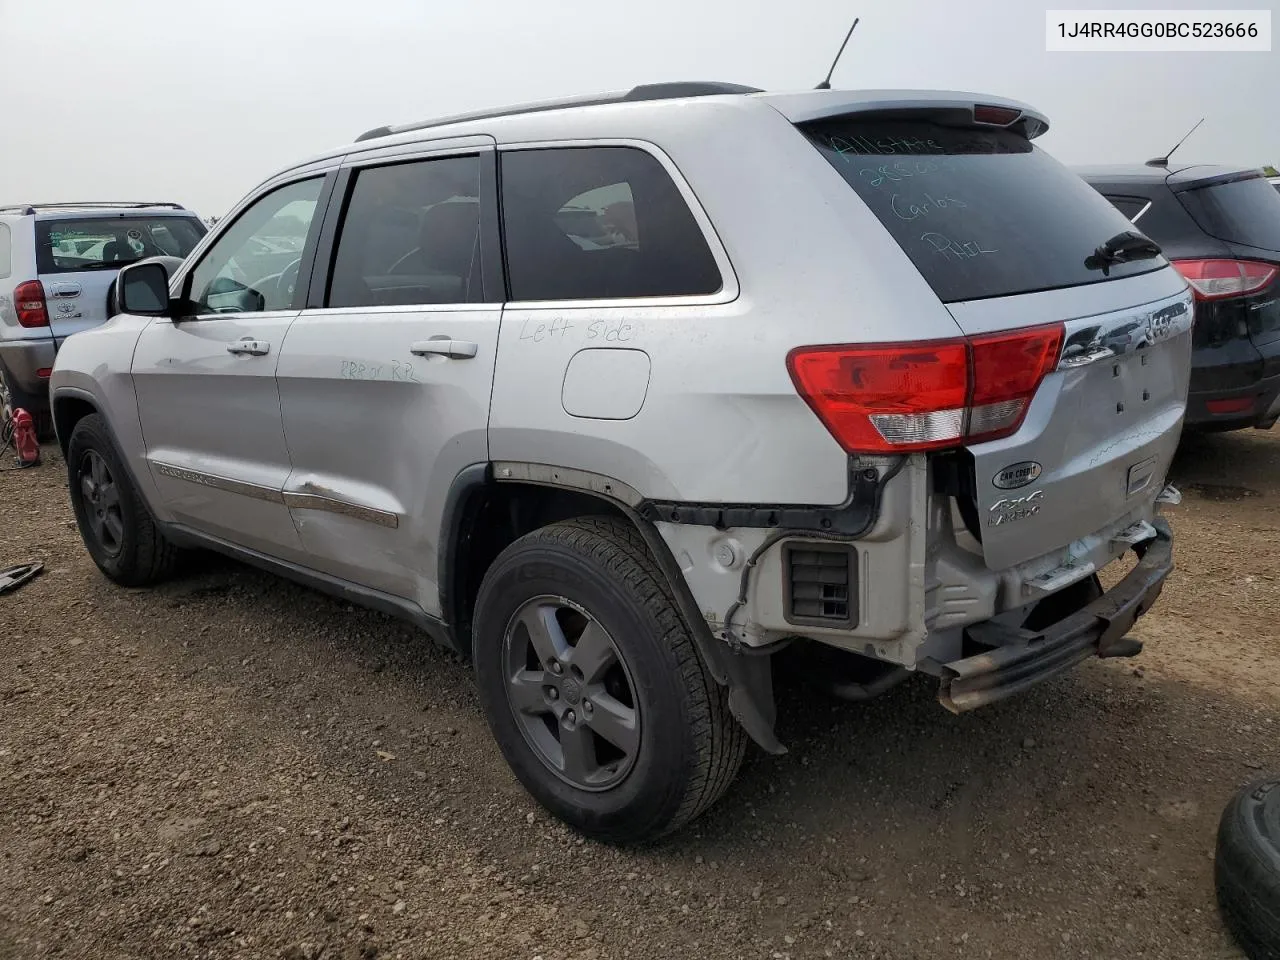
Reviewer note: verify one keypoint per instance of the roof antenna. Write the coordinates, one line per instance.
(826, 83)
(1164, 161)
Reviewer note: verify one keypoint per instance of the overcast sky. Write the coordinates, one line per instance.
(197, 101)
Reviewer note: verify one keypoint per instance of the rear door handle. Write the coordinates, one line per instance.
(256, 348)
(453, 349)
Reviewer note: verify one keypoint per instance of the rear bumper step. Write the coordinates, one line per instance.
(1021, 658)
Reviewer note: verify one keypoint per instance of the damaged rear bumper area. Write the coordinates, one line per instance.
(1018, 658)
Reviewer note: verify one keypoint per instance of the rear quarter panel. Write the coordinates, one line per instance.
(803, 262)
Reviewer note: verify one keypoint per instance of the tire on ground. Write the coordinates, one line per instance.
(143, 556)
(1247, 869)
(690, 747)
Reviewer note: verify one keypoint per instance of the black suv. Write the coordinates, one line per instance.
(1220, 226)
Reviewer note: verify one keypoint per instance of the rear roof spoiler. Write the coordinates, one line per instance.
(970, 108)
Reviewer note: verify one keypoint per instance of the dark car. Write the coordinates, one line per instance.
(1220, 226)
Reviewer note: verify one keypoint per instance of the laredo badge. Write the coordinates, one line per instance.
(1012, 509)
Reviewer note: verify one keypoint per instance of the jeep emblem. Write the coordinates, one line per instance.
(1017, 475)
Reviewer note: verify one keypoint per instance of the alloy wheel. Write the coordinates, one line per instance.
(101, 497)
(571, 693)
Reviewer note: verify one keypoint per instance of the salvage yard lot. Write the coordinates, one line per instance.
(231, 766)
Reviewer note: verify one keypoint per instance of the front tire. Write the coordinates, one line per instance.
(593, 686)
(115, 524)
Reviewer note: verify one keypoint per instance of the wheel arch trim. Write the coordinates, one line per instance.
(748, 678)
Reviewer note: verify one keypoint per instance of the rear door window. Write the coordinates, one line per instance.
(411, 235)
(1242, 211)
(980, 212)
(599, 223)
(71, 245)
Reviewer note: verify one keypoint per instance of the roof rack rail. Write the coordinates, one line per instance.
(646, 91)
(29, 208)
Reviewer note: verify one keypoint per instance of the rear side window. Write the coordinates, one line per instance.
(411, 235)
(599, 223)
(981, 213)
(108, 243)
(1243, 211)
(6, 251)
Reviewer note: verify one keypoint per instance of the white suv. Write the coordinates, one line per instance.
(57, 264)
(622, 396)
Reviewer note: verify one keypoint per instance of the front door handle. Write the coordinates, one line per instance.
(453, 349)
(256, 348)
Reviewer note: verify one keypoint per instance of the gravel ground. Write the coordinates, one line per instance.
(231, 766)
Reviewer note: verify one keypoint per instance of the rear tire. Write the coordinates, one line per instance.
(115, 524)
(555, 605)
(1247, 869)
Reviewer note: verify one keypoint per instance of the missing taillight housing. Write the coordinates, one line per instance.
(1223, 279)
(929, 395)
(29, 302)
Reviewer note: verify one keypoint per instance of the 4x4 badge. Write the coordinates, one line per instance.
(1011, 510)
(1016, 475)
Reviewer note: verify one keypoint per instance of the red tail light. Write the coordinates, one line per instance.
(1000, 116)
(897, 398)
(1220, 279)
(44, 373)
(29, 298)
(1232, 405)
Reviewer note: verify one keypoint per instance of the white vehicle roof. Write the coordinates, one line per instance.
(645, 108)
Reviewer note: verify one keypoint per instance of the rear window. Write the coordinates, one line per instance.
(1243, 211)
(108, 243)
(981, 213)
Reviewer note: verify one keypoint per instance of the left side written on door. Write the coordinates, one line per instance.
(206, 384)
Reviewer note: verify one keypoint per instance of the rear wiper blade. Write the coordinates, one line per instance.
(1122, 248)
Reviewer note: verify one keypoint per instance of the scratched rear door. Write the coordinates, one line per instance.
(385, 377)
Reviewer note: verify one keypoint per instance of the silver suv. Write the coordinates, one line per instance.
(631, 399)
(57, 263)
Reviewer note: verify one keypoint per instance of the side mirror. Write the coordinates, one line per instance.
(143, 288)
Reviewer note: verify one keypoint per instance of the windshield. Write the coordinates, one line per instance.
(980, 212)
(1241, 211)
(108, 243)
